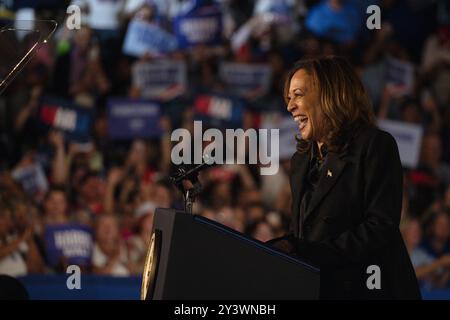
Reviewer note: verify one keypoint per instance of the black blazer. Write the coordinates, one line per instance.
(352, 221)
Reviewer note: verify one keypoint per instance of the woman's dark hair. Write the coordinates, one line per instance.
(344, 102)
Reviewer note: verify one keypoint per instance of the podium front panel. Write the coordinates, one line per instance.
(200, 259)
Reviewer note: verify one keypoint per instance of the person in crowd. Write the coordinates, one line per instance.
(91, 192)
(139, 242)
(261, 230)
(436, 241)
(110, 255)
(19, 253)
(231, 217)
(55, 207)
(429, 179)
(104, 18)
(335, 19)
(431, 272)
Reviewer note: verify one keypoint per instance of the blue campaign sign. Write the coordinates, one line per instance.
(160, 78)
(200, 26)
(130, 119)
(32, 179)
(64, 115)
(71, 242)
(399, 76)
(143, 37)
(249, 81)
(218, 110)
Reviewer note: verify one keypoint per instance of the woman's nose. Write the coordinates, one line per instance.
(291, 106)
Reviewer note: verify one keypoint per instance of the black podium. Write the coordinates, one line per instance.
(194, 258)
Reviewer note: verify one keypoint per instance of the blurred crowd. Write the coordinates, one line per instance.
(112, 187)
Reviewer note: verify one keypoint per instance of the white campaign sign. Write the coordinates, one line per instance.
(408, 137)
(288, 130)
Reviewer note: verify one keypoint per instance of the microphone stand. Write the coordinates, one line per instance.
(191, 193)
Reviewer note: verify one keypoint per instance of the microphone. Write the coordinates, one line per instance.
(185, 174)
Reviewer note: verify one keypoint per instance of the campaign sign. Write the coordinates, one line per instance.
(408, 137)
(246, 80)
(399, 76)
(72, 242)
(130, 119)
(143, 37)
(63, 115)
(288, 130)
(160, 79)
(218, 110)
(279, 7)
(200, 26)
(32, 179)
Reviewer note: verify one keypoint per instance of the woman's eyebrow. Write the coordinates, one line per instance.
(303, 89)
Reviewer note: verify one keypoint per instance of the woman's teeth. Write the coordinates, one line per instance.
(302, 121)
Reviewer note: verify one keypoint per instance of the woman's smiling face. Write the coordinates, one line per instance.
(303, 104)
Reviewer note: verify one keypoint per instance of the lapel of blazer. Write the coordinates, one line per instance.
(299, 172)
(331, 170)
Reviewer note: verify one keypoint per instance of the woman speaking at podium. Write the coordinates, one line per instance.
(346, 183)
